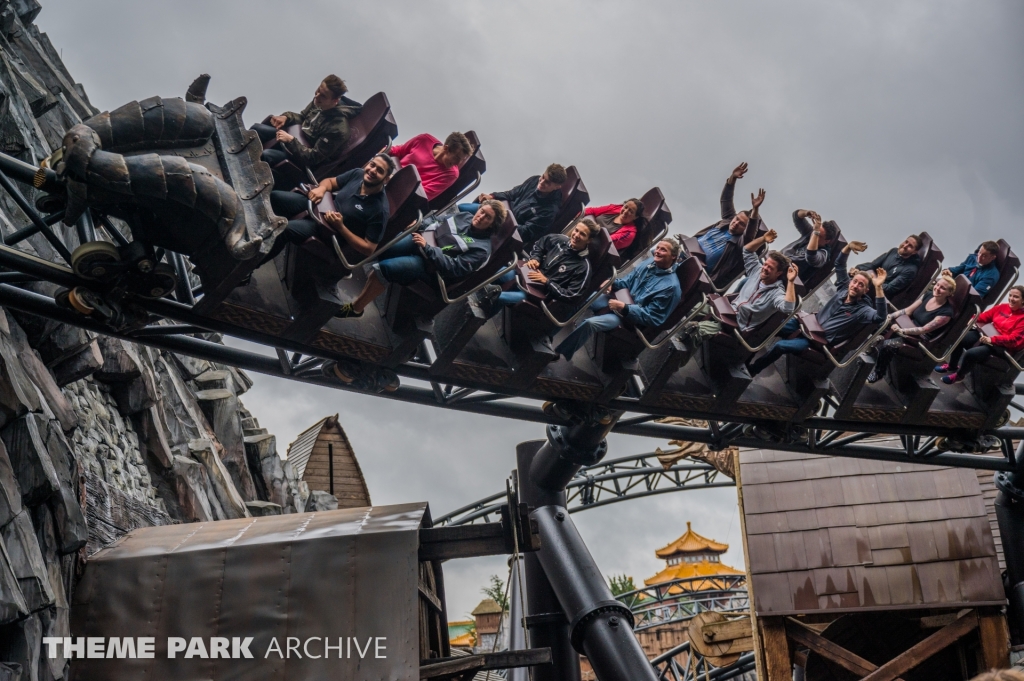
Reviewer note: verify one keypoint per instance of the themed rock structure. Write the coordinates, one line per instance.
(98, 436)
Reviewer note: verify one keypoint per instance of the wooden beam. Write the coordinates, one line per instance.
(830, 651)
(778, 665)
(944, 637)
(995, 640)
(755, 634)
(726, 631)
(509, 659)
(462, 541)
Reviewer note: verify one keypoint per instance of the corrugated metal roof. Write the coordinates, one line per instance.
(840, 534)
(300, 450)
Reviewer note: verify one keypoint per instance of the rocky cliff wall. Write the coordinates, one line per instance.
(99, 436)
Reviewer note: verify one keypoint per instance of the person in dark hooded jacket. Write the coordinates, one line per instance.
(900, 265)
(324, 122)
(534, 203)
(558, 263)
(463, 247)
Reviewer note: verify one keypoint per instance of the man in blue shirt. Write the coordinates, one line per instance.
(654, 288)
(979, 268)
(732, 225)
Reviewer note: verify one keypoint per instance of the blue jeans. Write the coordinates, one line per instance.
(469, 207)
(588, 327)
(403, 264)
(781, 347)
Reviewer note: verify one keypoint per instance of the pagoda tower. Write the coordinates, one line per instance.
(692, 556)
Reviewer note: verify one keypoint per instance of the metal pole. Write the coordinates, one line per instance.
(183, 289)
(598, 626)
(86, 228)
(330, 464)
(516, 630)
(1010, 515)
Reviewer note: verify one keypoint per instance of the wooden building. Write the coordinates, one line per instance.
(323, 457)
(869, 569)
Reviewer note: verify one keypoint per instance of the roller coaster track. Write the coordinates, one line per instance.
(629, 477)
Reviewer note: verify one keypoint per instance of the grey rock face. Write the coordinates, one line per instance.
(99, 436)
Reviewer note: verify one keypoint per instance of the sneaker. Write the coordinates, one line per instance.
(942, 368)
(874, 377)
(346, 311)
(950, 379)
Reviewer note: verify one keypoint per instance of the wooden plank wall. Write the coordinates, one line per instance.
(349, 485)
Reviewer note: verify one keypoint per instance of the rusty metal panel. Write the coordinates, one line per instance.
(347, 574)
(854, 535)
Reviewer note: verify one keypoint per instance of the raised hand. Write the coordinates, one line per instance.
(816, 222)
(770, 236)
(879, 277)
(856, 247)
(738, 172)
(756, 201)
(792, 273)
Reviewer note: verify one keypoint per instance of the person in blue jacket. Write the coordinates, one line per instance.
(979, 268)
(654, 288)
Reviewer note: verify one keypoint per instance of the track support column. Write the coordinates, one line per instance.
(1010, 514)
(570, 605)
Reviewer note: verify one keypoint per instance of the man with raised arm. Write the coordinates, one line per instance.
(842, 316)
(463, 245)
(733, 225)
(979, 268)
(763, 293)
(655, 291)
(534, 203)
(324, 122)
(900, 265)
(811, 250)
(437, 162)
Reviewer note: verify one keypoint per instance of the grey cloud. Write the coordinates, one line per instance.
(889, 117)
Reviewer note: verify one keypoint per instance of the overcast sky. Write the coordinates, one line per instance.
(888, 117)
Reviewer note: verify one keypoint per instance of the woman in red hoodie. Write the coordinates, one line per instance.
(977, 346)
(620, 219)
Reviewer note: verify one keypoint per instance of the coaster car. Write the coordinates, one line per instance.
(185, 178)
(370, 132)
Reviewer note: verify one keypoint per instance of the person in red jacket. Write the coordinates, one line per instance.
(1007, 318)
(620, 219)
(437, 162)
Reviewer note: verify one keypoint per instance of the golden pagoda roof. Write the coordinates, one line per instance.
(691, 542)
(704, 568)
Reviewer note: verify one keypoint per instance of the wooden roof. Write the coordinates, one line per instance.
(691, 542)
(487, 606)
(323, 449)
(839, 534)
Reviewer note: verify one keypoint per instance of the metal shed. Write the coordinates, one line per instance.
(347, 575)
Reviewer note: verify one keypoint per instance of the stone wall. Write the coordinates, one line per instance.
(98, 436)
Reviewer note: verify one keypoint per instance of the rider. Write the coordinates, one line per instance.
(362, 207)
(900, 264)
(324, 122)
(620, 219)
(534, 203)
(438, 162)
(811, 250)
(463, 246)
(980, 268)
(654, 289)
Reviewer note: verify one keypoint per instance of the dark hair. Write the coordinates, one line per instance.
(918, 239)
(591, 224)
(781, 261)
(336, 86)
(867, 277)
(832, 230)
(556, 173)
(1019, 288)
(391, 163)
(500, 212)
(458, 143)
(990, 246)
(639, 207)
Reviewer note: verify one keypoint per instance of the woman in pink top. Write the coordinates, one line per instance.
(620, 219)
(438, 163)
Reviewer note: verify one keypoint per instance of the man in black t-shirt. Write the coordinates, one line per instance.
(362, 208)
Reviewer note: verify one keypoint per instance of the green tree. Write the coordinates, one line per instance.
(496, 590)
(621, 584)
